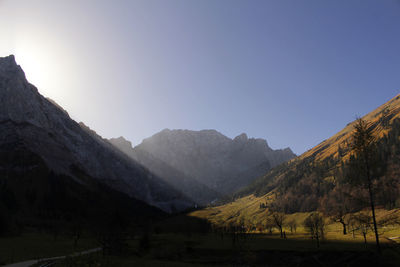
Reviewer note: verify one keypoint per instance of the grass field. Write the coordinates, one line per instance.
(211, 249)
(189, 248)
(248, 211)
(248, 250)
(38, 245)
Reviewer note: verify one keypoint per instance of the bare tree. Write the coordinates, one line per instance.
(315, 225)
(337, 205)
(293, 225)
(352, 225)
(278, 218)
(364, 224)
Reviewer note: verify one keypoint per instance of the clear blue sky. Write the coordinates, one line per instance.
(292, 72)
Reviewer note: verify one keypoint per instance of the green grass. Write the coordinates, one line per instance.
(251, 249)
(214, 249)
(38, 245)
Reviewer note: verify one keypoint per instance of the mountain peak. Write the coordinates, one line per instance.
(9, 67)
(9, 60)
(121, 138)
(288, 150)
(19, 100)
(122, 141)
(241, 138)
(67, 148)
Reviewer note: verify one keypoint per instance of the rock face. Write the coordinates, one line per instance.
(39, 126)
(197, 191)
(206, 157)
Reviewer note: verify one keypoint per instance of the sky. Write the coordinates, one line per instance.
(291, 72)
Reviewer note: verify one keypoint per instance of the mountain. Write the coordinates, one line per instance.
(327, 159)
(205, 160)
(316, 180)
(36, 130)
(200, 193)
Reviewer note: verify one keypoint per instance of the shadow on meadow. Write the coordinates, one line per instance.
(188, 241)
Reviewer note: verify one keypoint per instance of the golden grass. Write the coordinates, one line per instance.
(248, 211)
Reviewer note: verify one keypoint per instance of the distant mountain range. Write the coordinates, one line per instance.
(204, 164)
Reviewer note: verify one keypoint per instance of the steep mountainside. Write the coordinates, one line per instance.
(39, 127)
(317, 178)
(380, 119)
(208, 158)
(326, 160)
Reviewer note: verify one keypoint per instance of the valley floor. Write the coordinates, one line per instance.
(247, 250)
(186, 241)
(225, 249)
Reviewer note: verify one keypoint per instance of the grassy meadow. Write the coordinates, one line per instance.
(184, 241)
(34, 245)
(191, 248)
(250, 249)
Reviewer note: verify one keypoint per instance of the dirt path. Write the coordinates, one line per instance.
(32, 262)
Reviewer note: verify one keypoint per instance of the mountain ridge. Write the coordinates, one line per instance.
(208, 158)
(48, 131)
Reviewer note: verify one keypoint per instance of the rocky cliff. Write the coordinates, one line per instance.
(41, 127)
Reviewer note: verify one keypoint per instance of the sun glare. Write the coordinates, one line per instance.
(45, 61)
(37, 68)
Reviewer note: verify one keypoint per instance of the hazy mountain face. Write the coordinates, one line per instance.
(41, 128)
(207, 157)
(184, 183)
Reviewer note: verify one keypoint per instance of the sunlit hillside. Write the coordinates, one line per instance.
(305, 183)
(380, 119)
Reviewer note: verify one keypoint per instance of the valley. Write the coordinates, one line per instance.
(164, 134)
(186, 198)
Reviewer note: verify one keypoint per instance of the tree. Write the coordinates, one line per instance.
(278, 219)
(363, 224)
(337, 205)
(315, 225)
(363, 165)
(293, 225)
(385, 117)
(352, 225)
